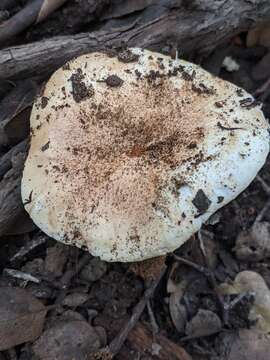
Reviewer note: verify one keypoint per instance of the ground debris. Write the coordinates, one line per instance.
(67, 340)
(204, 323)
(21, 317)
(253, 244)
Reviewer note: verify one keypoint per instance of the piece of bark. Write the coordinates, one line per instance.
(193, 26)
(11, 206)
(6, 160)
(15, 113)
(162, 348)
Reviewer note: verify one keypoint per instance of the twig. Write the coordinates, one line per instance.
(21, 275)
(26, 249)
(114, 347)
(154, 325)
(228, 306)
(32, 13)
(197, 267)
(206, 270)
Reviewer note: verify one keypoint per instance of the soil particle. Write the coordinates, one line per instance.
(45, 147)
(66, 66)
(202, 89)
(114, 81)
(44, 102)
(127, 56)
(80, 91)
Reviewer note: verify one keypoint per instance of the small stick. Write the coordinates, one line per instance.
(154, 325)
(228, 306)
(197, 267)
(21, 275)
(114, 347)
(28, 247)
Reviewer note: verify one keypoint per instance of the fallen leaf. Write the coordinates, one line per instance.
(66, 341)
(21, 317)
(178, 311)
(204, 323)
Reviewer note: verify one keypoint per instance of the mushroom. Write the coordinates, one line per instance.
(130, 154)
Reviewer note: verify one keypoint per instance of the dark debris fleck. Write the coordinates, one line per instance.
(201, 202)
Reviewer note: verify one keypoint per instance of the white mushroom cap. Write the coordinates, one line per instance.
(131, 154)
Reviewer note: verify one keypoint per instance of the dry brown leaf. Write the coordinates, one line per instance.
(178, 311)
(21, 317)
(67, 340)
(204, 323)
